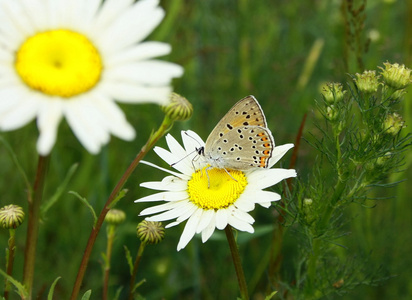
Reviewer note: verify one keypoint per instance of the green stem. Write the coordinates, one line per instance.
(135, 267)
(33, 223)
(325, 218)
(10, 262)
(236, 261)
(110, 237)
(164, 127)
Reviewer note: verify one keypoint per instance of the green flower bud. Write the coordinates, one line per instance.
(150, 232)
(393, 124)
(11, 216)
(333, 92)
(383, 159)
(307, 202)
(332, 113)
(179, 108)
(396, 76)
(115, 217)
(308, 210)
(367, 82)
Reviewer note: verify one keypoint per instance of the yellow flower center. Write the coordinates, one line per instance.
(59, 63)
(215, 188)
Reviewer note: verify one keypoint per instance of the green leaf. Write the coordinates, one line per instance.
(138, 284)
(86, 295)
(118, 291)
(59, 191)
(129, 259)
(106, 261)
(85, 202)
(16, 162)
(51, 292)
(119, 196)
(21, 289)
(268, 297)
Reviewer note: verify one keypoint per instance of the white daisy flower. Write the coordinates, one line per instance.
(73, 59)
(212, 200)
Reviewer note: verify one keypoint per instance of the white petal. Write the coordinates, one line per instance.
(175, 148)
(163, 207)
(113, 117)
(176, 212)
(182, 176)
(190, 211)
(110, 10)
(20, 114)
(165, 196)
(169, 183)
(84, 121)
(208, 231)
(222, 218)
(131, 92)
(190, 229)
(265, 204)
(143, 15)
(143, 51)
(206, 219)
(244, 216)
(240, 224)
(245, 203)
(35, 13)
(278, 153)
(50, 115)
(175, 161)
(258, 196)
(149, 72)
(263, 178)
(191, 140)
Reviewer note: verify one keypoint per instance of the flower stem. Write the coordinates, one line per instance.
(110, 237)
(33, 223)
(135, 267)
(10, 262)
(236, 261)
(154, 137)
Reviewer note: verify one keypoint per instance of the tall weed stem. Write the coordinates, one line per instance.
(33, 223)
(154, 137)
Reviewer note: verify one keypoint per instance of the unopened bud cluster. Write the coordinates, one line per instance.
(179, 108)
(367, 82)
(393, 124)
(115, 216)
(396, 76)
(333, 92)
(11, 216)
(150, 232)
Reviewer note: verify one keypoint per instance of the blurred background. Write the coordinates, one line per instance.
(280, 51)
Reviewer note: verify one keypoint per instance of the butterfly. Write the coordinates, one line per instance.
(241, 139)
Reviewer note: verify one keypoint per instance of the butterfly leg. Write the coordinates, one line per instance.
(228, 173)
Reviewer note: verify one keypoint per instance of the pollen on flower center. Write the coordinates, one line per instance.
(223, 190)
(59, 63)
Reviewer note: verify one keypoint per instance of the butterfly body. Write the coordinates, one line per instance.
(241, 139)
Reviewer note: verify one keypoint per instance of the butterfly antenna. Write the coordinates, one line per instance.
(196, 150)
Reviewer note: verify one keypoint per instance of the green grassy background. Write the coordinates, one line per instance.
(280, 52)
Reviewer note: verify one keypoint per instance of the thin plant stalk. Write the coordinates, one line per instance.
(277, 236)
(33, 223)
(237, 263)
(154, 137)
(135, 267)
(110, 238)
(10, 262)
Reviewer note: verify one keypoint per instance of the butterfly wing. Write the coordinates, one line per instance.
(246, 112)
(243, 148)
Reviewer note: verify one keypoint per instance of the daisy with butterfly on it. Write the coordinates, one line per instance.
(237, 158)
